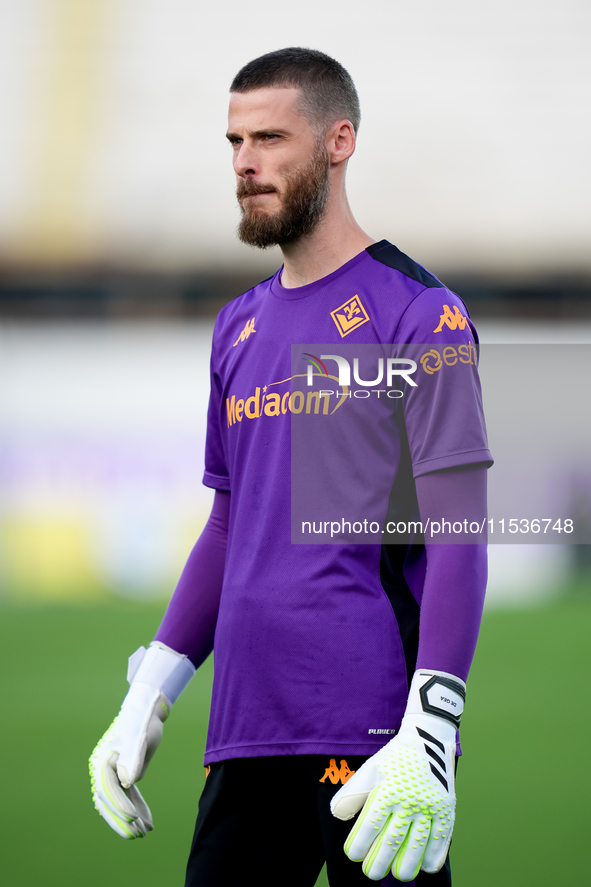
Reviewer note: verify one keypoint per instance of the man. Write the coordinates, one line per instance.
(326, 696)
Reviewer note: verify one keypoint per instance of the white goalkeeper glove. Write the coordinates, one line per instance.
(157, 678)
(407, 788)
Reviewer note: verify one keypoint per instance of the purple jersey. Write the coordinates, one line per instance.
(314, 645)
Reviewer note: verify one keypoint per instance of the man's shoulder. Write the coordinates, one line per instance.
(242, 305)
(389, 255)
(427, 309)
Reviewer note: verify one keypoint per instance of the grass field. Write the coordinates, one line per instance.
(523, 783)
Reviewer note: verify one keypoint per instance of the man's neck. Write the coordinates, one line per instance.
(330, 246)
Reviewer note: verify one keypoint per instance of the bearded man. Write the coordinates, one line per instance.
(340, 668)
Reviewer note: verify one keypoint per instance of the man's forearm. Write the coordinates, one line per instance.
(190, 619)
(455, 583)
(451, 611)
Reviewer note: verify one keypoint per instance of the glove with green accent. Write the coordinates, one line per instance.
(157, 677)
(407, 788)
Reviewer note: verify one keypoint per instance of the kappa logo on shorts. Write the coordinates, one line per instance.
(337, 774)
(248, 329)
(349, 316)
(454, 320)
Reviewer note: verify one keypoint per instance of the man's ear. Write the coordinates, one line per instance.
(340, 141)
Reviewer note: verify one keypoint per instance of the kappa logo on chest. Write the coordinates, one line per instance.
(248, 329)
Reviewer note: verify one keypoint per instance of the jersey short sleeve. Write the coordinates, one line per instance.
(443, 412)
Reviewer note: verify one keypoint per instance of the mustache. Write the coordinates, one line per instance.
(247, 188)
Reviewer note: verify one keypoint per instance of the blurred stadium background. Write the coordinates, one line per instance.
(117, 247)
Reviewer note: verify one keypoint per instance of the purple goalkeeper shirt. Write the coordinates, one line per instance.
(314, 644)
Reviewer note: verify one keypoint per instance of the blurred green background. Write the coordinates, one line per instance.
(523, 782)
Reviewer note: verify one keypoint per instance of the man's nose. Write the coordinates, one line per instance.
(245, 161)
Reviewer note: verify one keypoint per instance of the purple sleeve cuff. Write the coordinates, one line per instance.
(190, 619)
(216, 481)
(455, 460)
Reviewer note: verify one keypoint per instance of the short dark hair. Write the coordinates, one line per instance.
(328, 92)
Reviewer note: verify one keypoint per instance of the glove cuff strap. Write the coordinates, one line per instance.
(437, 693)
(162, 669)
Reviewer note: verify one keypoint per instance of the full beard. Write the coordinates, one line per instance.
(303, 203)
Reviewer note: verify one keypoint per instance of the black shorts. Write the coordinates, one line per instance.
(267, 821)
